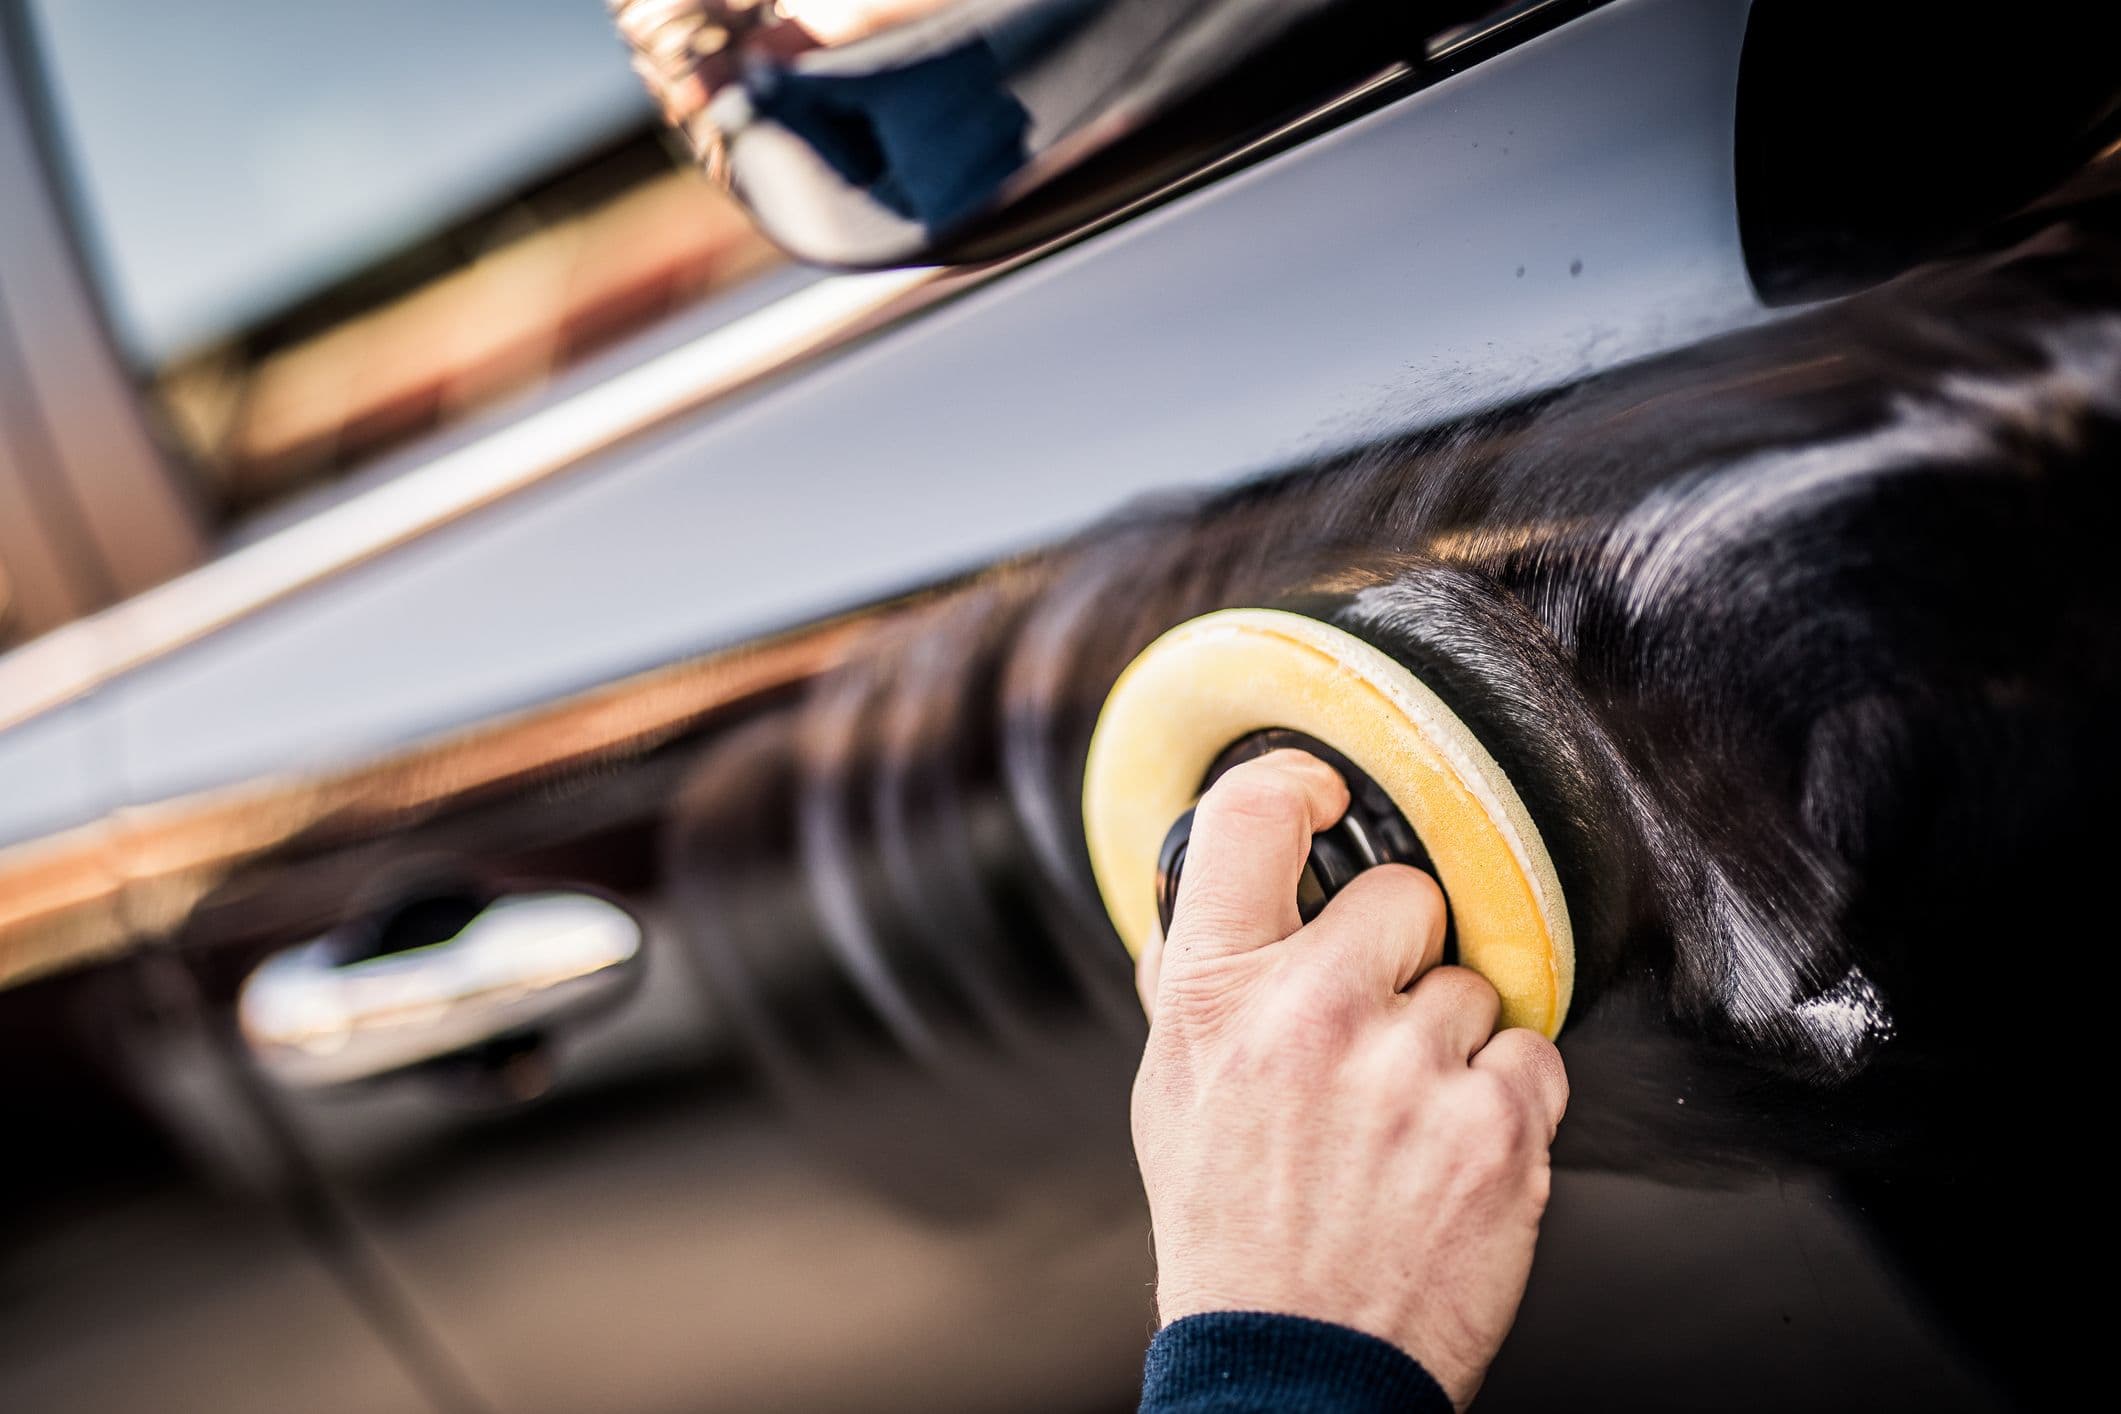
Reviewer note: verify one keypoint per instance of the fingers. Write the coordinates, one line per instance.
(1530, 1065)
(1386, 926)
(1456, 1006)
(1251, 834)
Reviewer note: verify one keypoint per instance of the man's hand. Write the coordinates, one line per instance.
(1320, 1133)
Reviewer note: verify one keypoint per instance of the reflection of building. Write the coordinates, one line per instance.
(342, 378)
(318, 232)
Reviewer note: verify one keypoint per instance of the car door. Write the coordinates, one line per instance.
(142, 1261)
(434, 777)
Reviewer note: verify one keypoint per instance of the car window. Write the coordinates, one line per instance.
(322, 231)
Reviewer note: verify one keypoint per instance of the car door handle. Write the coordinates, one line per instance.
(312, 1018)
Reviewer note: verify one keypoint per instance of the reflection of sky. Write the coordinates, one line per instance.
(237, 154)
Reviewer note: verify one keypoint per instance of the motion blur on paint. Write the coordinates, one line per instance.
(558, 567)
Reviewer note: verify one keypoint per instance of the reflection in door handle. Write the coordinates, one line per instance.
(313, 1018)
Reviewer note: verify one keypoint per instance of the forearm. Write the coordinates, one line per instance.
(1245, 1362)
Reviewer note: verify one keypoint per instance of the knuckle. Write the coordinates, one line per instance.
(1254, 792)
(1489, 1102)
(1488, 1128)
(1541, 1060)
(1403, 885)
(1533, 1066)
(1388, 894)
(1311, 1011)
(1495, 1149)
(1460, 988)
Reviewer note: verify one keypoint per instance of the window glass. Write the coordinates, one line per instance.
(322, 230)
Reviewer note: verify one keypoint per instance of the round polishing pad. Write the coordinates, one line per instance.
(1223, 676)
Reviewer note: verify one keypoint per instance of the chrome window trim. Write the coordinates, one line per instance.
(63, 665)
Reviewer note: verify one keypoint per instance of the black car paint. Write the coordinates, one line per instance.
(717, 1203)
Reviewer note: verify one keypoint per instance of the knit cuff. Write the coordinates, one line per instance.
(1250, 1362)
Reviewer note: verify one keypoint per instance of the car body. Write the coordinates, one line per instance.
(500, 657)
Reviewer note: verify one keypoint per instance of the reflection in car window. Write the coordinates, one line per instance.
(323, 230)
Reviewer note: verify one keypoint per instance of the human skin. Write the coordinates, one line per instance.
(1327, 1122)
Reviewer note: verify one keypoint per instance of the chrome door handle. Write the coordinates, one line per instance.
(313, 1019)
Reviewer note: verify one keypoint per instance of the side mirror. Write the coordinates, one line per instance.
(866, 133)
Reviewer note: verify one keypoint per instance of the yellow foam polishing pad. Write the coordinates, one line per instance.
(1219, 678)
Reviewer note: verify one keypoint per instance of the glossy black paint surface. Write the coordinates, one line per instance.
(1850, 169)
(858, 1141)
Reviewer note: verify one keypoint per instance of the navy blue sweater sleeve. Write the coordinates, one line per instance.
(1247, 1362)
